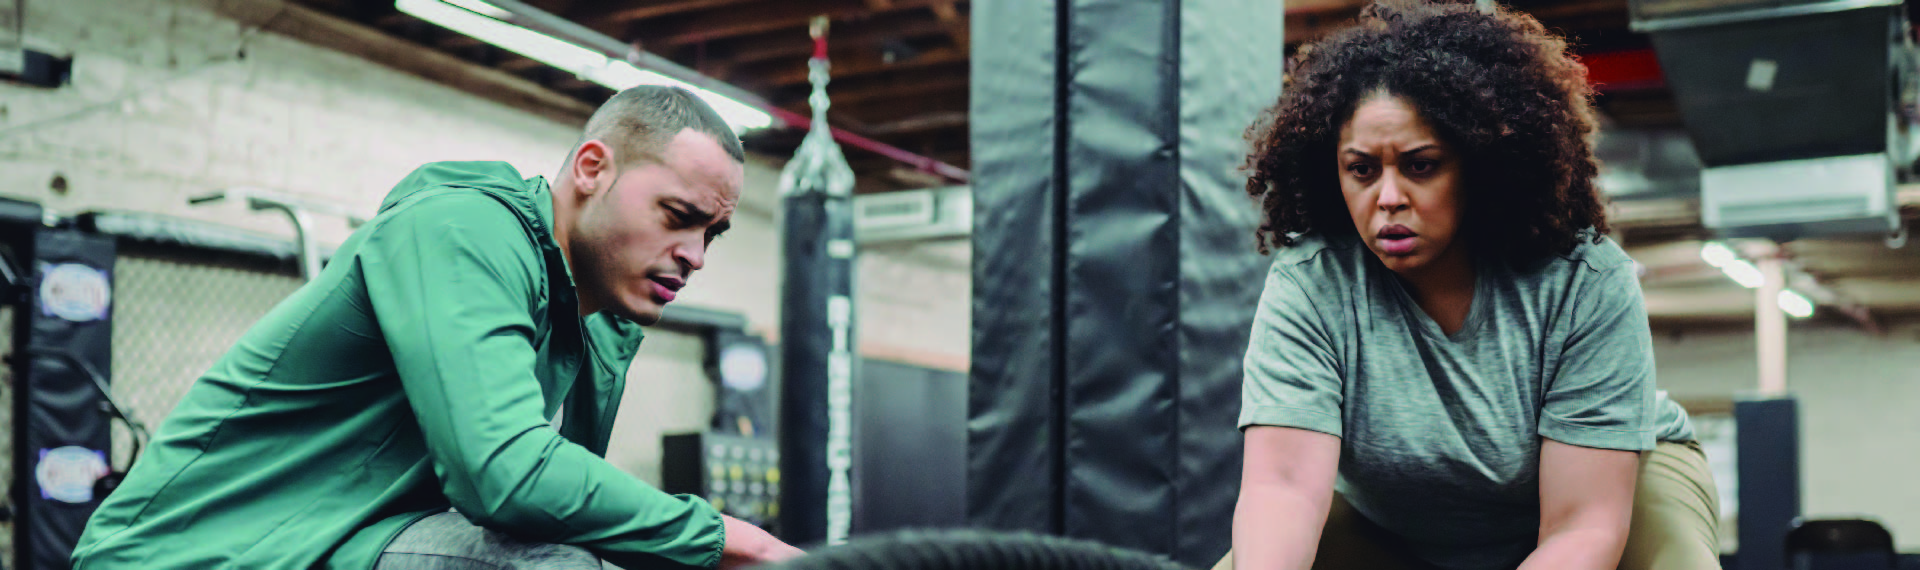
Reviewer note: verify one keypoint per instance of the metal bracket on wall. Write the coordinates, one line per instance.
(299, 211)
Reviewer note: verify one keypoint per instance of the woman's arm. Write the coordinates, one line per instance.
(1286, 486)
(1586, 501)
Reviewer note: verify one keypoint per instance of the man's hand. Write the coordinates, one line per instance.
(747, 545)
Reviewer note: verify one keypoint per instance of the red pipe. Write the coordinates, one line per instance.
(1624, 70)
(922, 163)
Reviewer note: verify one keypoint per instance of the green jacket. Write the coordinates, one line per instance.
(418, 372)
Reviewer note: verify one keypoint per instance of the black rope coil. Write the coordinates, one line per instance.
(976, 550)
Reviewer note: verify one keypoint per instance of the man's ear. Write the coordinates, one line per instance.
(593, 160)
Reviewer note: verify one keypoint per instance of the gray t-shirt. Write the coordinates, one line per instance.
(1440, 434)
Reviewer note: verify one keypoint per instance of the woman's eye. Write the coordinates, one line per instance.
(1423, 167)
(1361, 170)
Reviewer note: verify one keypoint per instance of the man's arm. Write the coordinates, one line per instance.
(1586, 503)
(1286, 487)
(452, 281)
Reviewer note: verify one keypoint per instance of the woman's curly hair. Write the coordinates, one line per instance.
(1498, 87)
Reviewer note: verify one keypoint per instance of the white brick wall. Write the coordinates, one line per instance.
(1859, 412)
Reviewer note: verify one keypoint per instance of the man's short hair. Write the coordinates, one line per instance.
(639, 122)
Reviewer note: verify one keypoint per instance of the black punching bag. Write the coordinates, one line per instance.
(816, 330)
(1114, 267)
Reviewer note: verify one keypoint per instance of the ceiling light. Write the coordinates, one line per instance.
(482, 8)
(1744, 273)
(1795, 304)
(1717, 254)
(1723, 257)
(479, 19)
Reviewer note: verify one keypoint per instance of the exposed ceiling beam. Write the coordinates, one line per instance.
(1828, 297)
(1578, 9)
(1641, 214)
(516, 64)
(866, 64)
(924, 122)
(880, 112)
(1296, 7)
(795, 45)
(324, 30)
(457, 41)
(571, 84)
(957, 26)
(896, 91)
(1309, 20)
(1676, 270)
(624, 12)
(1307, 26)
(707, 27)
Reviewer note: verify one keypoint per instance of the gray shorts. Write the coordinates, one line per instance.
(447, 541)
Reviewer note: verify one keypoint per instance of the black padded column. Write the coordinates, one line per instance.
(62, 349)
(1115, 275)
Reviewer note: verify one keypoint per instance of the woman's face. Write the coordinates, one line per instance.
(1401, 184)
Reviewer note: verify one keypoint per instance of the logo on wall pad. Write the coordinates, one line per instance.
(67, 474)
(75, 292)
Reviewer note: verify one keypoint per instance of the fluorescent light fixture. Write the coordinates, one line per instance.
(620, 75)
(1723, 257)
(1717, 254)
(1795, 304)
(1744, 273)
(534, 45)
(479, 19)
(482, 8)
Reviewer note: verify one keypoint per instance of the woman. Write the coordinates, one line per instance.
(1445, 326)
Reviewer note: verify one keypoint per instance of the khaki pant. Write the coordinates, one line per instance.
(1676, 515)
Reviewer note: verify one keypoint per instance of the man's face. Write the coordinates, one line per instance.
(640, 238)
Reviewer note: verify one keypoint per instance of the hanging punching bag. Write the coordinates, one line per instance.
(816, 329)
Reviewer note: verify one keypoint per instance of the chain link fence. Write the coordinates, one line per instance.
(175, 312)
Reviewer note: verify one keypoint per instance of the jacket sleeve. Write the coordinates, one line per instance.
(454, 281)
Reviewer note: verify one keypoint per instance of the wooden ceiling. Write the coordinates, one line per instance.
(900, 76)
(899, 67)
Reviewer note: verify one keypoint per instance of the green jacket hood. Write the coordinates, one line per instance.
(492, 177)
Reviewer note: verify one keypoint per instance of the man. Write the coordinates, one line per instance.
(422, 371)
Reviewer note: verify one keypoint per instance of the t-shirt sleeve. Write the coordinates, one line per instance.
(1602, 393)
(1292, 377)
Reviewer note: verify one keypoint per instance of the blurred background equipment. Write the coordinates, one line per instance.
(1840, 544)
(298, 211)
(1800, 110)
(738, 475)
(1801, 115)
(21, 63)
(749, 393)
